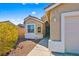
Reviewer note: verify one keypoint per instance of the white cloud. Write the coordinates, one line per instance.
(23, 3)
(36, 3)
(33, 12)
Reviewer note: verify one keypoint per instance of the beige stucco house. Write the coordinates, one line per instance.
(34, 27)
(64, 27)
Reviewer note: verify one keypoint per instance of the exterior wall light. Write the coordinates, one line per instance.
(54, 19)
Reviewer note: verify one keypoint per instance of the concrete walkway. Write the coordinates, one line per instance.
(40, 49)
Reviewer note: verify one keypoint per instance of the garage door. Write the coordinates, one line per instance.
(72, 32)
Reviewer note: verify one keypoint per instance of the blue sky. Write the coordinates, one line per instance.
(16, 12)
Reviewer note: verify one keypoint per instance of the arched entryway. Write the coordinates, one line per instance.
(47, 29)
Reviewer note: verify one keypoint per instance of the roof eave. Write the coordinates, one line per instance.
(33, 18)
(52, 6)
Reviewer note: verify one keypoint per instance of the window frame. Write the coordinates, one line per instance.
(30, 25)
(39, 30)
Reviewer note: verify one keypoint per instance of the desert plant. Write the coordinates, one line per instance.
(8, 37)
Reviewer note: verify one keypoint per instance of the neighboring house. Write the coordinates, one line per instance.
(21, 25)
(64, 27)
(34, 27)
(21, 31)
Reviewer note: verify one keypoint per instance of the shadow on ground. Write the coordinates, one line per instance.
(21, 39)
(64, 54)
(44, 42)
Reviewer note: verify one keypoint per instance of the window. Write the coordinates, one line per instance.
(39, 29)
(30, 28)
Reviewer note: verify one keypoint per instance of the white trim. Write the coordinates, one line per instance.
(70, 13)
(53, 6)
(62, 27)
(63, 30)
(34, 19)
(63, 24)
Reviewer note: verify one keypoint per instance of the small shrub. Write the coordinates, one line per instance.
(8, 37)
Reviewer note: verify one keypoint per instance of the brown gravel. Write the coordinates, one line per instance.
(23, 48)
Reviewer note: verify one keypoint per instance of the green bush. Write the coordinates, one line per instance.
(8, 37)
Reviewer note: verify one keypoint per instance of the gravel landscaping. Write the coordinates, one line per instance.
(23, 48)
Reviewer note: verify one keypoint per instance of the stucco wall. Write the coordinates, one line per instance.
(37, 24)
(55, 27)
(44, 19)
(55, 42)
(48, 16)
